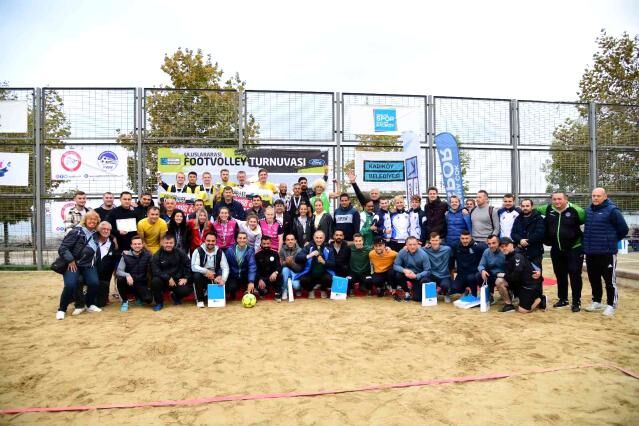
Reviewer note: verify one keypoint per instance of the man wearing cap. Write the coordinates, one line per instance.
(520, 278)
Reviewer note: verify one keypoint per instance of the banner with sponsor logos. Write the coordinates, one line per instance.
(14, 169)
(283, 165)
(58, 210)
(450, 165)
(77, 164)
(384, 120)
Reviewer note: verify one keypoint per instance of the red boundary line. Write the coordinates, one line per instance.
(253, 397)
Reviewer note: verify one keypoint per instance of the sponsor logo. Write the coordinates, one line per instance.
(385, 120)
(315, 162)
(4, 168)
(108, 160)
(169, 161)
(71, 161)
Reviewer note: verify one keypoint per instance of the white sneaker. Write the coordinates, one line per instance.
(323, 295)
(59, 315)
(77, 311)
(93, 308)
(609, 311)
(595, 306)
(200, 304)
(447, 299)
(285, 295)
(311, 294)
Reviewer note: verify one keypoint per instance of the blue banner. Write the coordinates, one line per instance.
(446, 145)
(385, 120)
(383, 171)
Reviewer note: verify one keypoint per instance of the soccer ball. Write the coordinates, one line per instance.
(249, 300)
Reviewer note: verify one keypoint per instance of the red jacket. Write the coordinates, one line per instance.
(197, 237)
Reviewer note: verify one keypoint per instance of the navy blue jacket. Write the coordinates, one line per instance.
(249, 267)
(74, 246)
(235, 209)
(467, 258)
(604, 227)
(346, 220)
(533, 229)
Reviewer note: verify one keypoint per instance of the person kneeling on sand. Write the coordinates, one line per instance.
(209, 266)
(439, 258)
(315, 273)
(132, 273)
(171, 270)
(413, 267)
(521, 278)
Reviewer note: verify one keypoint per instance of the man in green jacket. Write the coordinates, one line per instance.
(563, 234)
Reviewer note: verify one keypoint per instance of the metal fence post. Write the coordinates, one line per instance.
(240, 118)
(592, 127)
(139, 126)
(514, 142)
(337, 169)
(430, 141)
(39, 168)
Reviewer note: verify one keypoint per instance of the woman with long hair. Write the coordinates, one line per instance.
(78, 249)
(199, 228)
(225, 228)
(180, 230)
(301, 226)
(321, 220)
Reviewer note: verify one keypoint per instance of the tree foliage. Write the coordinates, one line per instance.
(199, 108)
(613, 82)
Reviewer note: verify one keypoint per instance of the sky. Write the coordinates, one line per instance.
(497, 49)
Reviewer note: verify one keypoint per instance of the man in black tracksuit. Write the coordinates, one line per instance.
(528, 233)
(340, 258)
(563, 234)
(171, 270)
(346, 218)
(131, 274)
(467, 254)
(268, 268)
(124, 211)
(521, 278)
(435, 210)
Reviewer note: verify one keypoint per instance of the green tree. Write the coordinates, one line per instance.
(20, 206)
(613, 82)
(199, 108)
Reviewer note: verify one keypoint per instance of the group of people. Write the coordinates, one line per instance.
(385, 248)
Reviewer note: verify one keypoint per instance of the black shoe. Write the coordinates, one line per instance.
(560, 304)
(576, 308)
(543, 303)
(397, 298)
(507, 308)
(176, 301)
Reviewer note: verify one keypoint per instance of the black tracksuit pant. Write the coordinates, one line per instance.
(140, 289)
(567, 265)
(603, 266)
(158, 286)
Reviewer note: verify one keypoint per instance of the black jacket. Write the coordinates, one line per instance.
(563, 230)
(325, 224)
(106, 264)
(268, 261)
(174, 264)
(236, 210)
(436, 217)
(301, 236)
(531, 228)
(74, 247)
(518, 271)
(467, 258)
(136, 266)
(124, 241)
(339, 262)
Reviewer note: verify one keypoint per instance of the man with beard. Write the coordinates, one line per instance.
(528, 233)
(435, 210)
(171, 270)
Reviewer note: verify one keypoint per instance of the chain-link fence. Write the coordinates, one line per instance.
(529, 148)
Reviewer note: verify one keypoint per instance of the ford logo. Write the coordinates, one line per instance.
(315, 162)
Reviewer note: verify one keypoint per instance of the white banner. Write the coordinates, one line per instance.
(13, 116)
(58, 209)
(14, 169)
(77, 164)
(384, 120)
